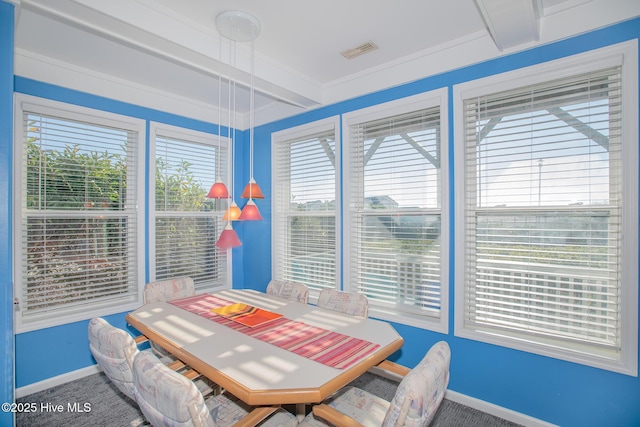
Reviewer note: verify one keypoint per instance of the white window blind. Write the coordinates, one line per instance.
(304, 207)
(78, 225)
(187, 224)
(543, 215)
(394, 198)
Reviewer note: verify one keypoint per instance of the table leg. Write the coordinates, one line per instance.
(301, 411)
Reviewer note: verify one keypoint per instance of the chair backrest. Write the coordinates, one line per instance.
(421, 391)
(163, 290)
(167, 398)
(344, 302)
(293, 291)
(114, 350)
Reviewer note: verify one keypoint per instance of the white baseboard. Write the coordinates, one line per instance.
(54, 381)
(495, 410)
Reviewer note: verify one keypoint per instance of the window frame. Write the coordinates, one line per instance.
(63, 110)
(624, 54)
(435, 98)
(165, 130)
(282, 137)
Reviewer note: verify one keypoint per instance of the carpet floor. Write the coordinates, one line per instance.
(93, 401)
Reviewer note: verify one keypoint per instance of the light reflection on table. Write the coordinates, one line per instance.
(257, 372)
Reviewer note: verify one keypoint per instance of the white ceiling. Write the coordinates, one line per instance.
(169, 49)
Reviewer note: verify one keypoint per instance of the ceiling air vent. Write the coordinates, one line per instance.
(359, 50)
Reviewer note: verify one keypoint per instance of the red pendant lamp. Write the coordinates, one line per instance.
(250, 212)
(229, 238)
(252, 190)
(218, 190)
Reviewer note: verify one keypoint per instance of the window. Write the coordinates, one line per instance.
(77, 226)
(395, 190)
(305, 204)
(186, 224)
(549, 189)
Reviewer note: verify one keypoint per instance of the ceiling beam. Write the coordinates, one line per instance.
(511, 22)
(136, 25)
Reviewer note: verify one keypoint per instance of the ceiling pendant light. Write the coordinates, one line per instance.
(232, 213)
(250, 212)
(229, 238)
(218, 190)
(238, 26)
(252, 190)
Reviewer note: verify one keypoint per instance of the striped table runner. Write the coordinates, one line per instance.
(327, 347)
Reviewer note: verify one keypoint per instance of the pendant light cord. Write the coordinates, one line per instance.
(231, 88)
(251, 109)
(218, 160)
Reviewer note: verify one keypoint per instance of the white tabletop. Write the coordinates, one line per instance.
(257, 372)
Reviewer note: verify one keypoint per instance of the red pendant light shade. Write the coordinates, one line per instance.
(232, 213)
(252, 191)
(218, 190)
(228, 238)
(250, 212)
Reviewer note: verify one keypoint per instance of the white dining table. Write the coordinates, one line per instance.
(257, 372)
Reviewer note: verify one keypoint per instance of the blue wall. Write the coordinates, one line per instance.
(6, 137)
(68, 346)
(552, 390)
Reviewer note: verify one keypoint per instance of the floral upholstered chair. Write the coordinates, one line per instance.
(292, 291)
(415, 403)
(167, 399)
(114, 350)
(344, 302)
(164, 290)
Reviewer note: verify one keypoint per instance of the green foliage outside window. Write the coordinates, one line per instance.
(78, 228)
